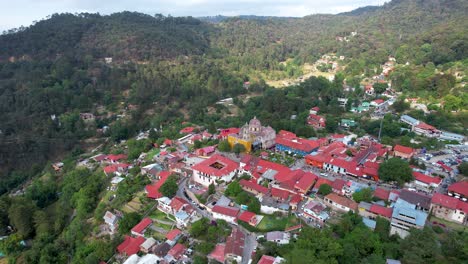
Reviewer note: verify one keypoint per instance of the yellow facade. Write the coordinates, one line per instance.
(234, 140)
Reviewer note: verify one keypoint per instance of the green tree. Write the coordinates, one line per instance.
(128, 221)
(233, 189)
(211, 189)
(199, 227)
(380, 87)
(238, 148)
(397, 170)
(254, 205)
(224, 146)
(463, 168)
(169, 187)
(363, 195)
(20, 215)
(324, 189)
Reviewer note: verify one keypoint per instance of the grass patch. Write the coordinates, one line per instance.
(273, 223)
(151, 153)
(448, 224)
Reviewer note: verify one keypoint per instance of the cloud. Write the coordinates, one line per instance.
(24, 12)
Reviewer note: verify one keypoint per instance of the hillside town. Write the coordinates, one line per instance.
(258, 185)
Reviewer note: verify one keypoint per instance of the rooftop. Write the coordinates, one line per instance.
(235, 243)
(216, 165)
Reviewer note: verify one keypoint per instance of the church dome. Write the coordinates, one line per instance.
(255, 122)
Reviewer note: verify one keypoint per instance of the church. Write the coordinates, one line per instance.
(254, 136)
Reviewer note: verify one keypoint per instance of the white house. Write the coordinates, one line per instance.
(229, 214)
(279, 237)
(215, 168)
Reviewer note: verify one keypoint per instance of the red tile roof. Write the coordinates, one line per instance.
(153, 189)
(426, 178)
(342, 201)
(296, 199)
(321, 181)
(425, 126)
(290, 140)
(116, 157)
(246, 216)
(115, 167)
(229, 211)
(228, 131)
(294, 175)
(381, 194)
(177, 203)
(177, 251)
(228, 166)
(130, 245)
(306, 181)
(266, 260)
(186, 130)
(403, 149)
(449, 202)
(253, 185)
(460, 188)
(235, 243)
(140, 227)
(218, 253)
(338, 184)
(279, 193)
(173, 234)
(381, 210)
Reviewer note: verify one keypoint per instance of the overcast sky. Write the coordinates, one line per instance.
(14, 13)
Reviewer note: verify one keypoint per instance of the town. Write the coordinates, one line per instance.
(252, 185)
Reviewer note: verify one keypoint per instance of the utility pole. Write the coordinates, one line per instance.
(380, 130)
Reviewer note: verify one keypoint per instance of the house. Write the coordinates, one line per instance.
(278, 237)
(444, 135)
(270, 260)
(316, 121)
(403, 152)
(316, 211)
(409, 120)
(235, 246)
(218, 253)
(147, 246)
(175, 253)
(182, 211)
(377, 102)
(131, 245)
(206, 151)
(426, 130)
(420, 201)
(459, 190)
(173, 236)
(111, 220)
(99, 158)
(229, 214)
(340, 203)
(347, 123)
(116, 158)
(253, 187)
(406, 216)
(186, 130)
(162, 249)
(381, 194)
(279, 194)
(289, 142)
(369, 90)
(426, 181)
(305, 183)
(224, 133)
(338, 186)
(249, 218)
(215, 168)
(314, 110)
(140, 228)
(152, 191)
(449, 208)
(372, 211)
(117, 169)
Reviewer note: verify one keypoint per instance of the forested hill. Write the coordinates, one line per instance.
(177, 66)
(126, 35)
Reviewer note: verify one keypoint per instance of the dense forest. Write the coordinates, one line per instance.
(135, 71)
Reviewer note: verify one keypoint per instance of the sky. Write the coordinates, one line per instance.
(16, 13)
